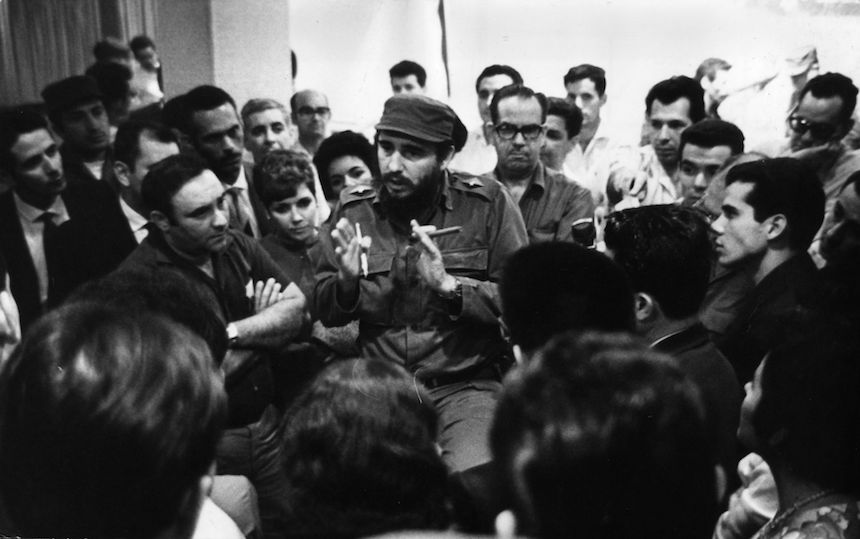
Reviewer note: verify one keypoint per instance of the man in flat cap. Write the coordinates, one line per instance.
(77, 112)
(428, 303)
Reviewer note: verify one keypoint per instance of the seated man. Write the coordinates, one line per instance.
(602, 437)
(770, 214)
(55, 233)
(549, 202)
(705, 149)
(666, 252)
(69, 468)
(244, 286)
(429, 304)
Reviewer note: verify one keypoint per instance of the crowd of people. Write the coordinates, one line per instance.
(221, 321)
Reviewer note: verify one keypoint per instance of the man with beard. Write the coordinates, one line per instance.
(429, 304)
(210, 120)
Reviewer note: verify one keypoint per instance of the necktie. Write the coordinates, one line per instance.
(240, 211)
(50, 245)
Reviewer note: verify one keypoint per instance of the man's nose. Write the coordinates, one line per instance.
(221, 218)
(701, 181)
(578, 102)
(718, 225)
(519, 139)
(395, 162)
(664, 133)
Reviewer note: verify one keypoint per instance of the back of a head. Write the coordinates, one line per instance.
(360, 454)
(113, 79)
(712, 133)
(108, 423)
(834, 85)
(670, 90)
(587, 71)
(111, 49)
(162, 292)
(498, 69)
(808, 416)
(784, 186)
(665, 250)
(126, 145)
(140, 42)
(553, 287)
(602, 437)
(405, 68)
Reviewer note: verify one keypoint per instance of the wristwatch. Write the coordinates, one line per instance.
(232, 334)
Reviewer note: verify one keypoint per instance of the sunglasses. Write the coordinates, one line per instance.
(819, 131)
(508, 131)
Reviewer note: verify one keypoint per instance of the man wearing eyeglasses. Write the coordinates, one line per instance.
(549, 202)
(430, 304)
(311, 114)
(823, 116)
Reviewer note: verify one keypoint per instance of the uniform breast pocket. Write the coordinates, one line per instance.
(470, 262)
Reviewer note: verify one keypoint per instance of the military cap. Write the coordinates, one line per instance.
(423, 118)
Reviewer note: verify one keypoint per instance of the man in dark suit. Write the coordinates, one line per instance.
(210, 121)
(665, 251)
(54, 234)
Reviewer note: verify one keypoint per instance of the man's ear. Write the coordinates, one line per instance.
(603, 99)
(644, 307)
(844, 129)
(160, 220)
(506, 525)
(121, 171)
(449, 155)
(776, 226)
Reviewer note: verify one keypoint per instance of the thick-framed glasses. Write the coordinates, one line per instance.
(507, 131)
(801, 126)
(310, 111)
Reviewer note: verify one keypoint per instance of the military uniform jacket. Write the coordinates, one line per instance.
(401, 318)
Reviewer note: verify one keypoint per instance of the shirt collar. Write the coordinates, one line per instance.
(241, 181)
(32, 214)
(135, 220)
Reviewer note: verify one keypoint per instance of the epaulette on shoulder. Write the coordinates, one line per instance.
(477, 185)
(357, 192)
